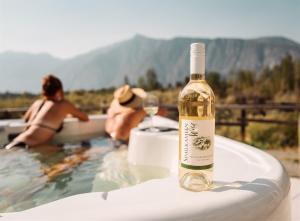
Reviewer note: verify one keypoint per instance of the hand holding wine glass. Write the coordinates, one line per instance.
(150, 104)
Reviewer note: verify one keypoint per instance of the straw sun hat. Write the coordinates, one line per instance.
(130, 97)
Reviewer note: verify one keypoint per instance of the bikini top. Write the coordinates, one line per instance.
(57, 130)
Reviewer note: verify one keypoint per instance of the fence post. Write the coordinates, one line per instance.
(299, 141)
(243, 124)
(299, 131)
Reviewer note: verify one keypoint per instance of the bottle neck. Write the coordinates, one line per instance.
(197, 77)
(197, 65)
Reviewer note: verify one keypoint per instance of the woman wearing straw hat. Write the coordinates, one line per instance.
(125, 112)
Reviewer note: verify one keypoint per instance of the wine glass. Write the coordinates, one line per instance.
(150, 105)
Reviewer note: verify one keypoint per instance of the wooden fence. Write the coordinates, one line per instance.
(242, 121)
(244, 109)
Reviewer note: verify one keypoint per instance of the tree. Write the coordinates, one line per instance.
(287, 73)
(243, 82)
(126, 80)
(218, 84)
(169, 86)
(282, 78)
(186, 80)
(297, 77)
(141, 82)
(178, 84)
(151, 80)
(264, 82)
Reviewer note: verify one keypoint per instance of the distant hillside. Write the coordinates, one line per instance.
(22, 71)
(107, 66)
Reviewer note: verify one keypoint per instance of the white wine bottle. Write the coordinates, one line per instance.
(196, 126)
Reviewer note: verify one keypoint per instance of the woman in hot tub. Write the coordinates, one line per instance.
(45, 116)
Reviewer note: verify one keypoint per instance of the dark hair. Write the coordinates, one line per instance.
(50, 85)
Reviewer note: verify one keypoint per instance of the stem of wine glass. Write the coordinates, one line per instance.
(151, 123)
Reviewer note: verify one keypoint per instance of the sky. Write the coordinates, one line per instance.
(65, 28)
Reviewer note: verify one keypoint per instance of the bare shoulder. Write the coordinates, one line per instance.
(69, 106)
(37, 102)
(66, 104)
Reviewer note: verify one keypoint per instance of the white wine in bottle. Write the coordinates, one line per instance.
(196, 126)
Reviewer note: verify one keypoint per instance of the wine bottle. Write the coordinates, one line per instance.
(196, 126)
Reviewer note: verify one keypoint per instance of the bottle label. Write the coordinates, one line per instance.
(196, 142)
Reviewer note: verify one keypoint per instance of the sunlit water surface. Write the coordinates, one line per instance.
(29, 178)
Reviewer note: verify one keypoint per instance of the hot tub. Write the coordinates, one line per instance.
(73, 130)
(249, 185)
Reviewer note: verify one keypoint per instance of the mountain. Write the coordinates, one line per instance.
(108, 66)
(23, 71)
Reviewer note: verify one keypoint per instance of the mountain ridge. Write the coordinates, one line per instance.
(107, 66)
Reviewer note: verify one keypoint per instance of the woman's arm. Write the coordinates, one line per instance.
(28, 113)
(135, 118)
(75, 112)
(126, 121)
